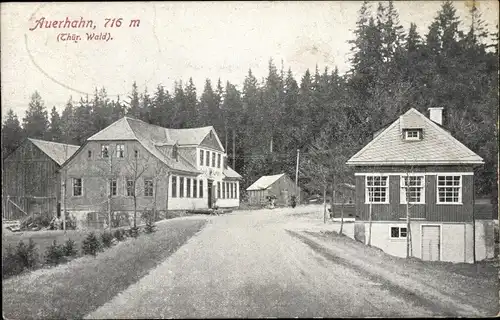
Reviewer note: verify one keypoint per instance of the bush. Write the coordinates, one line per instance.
(91, 244)
(106, 239)
(119, 235)
(11, 265)
(27, 254)
(133, 232)
(69, 248)
(149, 217)
(54, 254)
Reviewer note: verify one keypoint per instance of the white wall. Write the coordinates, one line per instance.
(456, 240)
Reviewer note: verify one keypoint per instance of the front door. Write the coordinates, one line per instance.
(431, 243)
(209, 194)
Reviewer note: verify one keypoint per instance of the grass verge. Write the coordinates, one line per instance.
(75, 289)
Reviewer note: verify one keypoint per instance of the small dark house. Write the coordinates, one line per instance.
(30, 178)
(279, 185)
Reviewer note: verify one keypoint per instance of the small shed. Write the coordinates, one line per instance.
(279, 185)
(30, 178)
(345, 193)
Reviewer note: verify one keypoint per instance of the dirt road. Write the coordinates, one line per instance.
(246, 264)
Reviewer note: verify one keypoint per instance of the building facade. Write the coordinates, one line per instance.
(280, 186)
(135, 166)
(31, 180)
(415, 171)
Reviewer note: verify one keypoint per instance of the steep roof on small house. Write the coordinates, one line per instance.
(154, 138)
(264, 182)
(59, 152)
(436, 147)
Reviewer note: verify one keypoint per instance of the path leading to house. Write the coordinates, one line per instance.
(260, 264)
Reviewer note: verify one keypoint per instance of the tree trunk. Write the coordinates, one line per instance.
(166, 201)
(407, 225)
(109, 204)
(333, 200)
(342, 217)
(324, 203)
(370, 225)
(135, 210)
(63, 202)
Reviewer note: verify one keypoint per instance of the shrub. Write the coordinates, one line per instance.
(106, 239)
(133, 232)
(54, 254)
(91, 244)
(149, 217)
(11, 265)
(69, 248)
(119, 235)
(27, 254)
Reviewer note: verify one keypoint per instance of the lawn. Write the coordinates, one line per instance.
(473, 284)
(77, 288)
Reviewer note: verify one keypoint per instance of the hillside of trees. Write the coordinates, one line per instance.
(327, 116)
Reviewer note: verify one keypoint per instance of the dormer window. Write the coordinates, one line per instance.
(412, 134)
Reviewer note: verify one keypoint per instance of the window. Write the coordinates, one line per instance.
(188, 187)
(148, 187)
(218, 160)
(236, 190)
(89, 153)
(195, 190)
(77, 187)
(181, 187)
(112, 187)
(398, 232)
(201, 157)
(377, 189)
(174, 186)
(415, 186)
(104, 151)
(218, 190)
(223, 190)
(449, 189)
(201, 189)
(231, 192)
(412, 134)
(120, 150)
(227, 190)
(130, 188)
(207, 158)
(213, 159)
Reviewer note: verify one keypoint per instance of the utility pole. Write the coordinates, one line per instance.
(234, 150)
(297, 169)
(297, 177)
(64, 189)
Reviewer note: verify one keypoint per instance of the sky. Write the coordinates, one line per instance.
(178, 40)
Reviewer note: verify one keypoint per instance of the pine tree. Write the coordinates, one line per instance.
(12, 134)
(69, 124)
(134, 103)
(36, 122)
(191, 102)
(55, 132)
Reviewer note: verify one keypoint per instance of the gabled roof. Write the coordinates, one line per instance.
(436, 148)
(59, 152)
(264, 182)
(230, 173)
(153, 138)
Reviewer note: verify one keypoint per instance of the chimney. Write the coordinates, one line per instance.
(436, 115)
